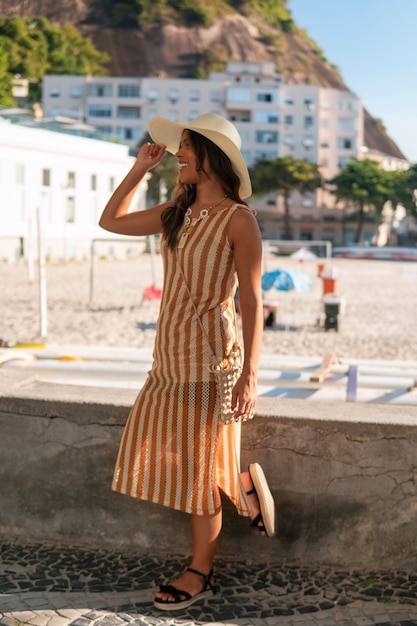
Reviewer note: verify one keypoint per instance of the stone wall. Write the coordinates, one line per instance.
(343, 476)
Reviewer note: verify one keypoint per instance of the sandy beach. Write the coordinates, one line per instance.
(378, 321)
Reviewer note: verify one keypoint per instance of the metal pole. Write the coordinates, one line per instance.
(31, 256)
(43, 307)
(92, 270)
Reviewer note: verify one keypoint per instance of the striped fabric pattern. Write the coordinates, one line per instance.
(174, 451)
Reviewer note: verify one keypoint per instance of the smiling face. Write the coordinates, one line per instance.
(190, 170)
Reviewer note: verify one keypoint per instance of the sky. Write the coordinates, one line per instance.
(373, 43)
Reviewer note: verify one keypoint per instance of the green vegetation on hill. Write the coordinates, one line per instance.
(201, 12)
(32, 47)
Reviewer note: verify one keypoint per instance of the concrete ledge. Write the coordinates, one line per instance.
(343, 476)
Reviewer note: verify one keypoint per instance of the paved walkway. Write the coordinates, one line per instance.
(46, 585)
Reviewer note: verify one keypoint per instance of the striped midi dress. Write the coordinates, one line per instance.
(174, 450)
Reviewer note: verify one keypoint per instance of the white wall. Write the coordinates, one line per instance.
(25, 154)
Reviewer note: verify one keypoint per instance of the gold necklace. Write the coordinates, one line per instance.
(191, 222)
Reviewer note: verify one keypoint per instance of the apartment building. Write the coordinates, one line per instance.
(274, 118)
(320, 125)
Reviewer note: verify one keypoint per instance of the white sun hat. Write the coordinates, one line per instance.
(212, 126)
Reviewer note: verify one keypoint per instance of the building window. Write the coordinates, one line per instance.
(308, 121)
(46, 178)
(264, 136)
(265, 154)
(309, 103)
(173, 115)
(267, 96)
(105, 130)
(71, 180)
(152, 95)
(214, 96)
(346, 123)
(345, 143)
(70, 210)
(289, 100)
(100, 91)
(128, 91)
(308, 141)
(266, 117)
(131, 113)
(307, 200)
(76, 92)
(93, 182)
(128, 133)
(238, 94)
(289, 120)
(346, 105)
(173, 95)
(194, 95)
(75, 113)
(193, 114)
(289, 140)
(54, 92)
(99, 110)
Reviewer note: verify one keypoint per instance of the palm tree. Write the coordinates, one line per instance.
(285, 175)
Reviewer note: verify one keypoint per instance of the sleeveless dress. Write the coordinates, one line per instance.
(174, 450)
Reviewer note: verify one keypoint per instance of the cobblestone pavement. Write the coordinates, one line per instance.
(46, 585)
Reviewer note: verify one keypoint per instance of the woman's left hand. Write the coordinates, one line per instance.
(244, 395)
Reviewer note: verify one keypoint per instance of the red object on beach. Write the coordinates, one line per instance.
(328, 275)
(152, 293)
(329, 285)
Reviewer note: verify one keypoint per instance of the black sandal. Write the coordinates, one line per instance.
(183, 599)
(257, 521)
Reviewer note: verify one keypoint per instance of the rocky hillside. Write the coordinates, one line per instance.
(168, 48)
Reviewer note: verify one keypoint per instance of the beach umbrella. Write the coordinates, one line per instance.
(286, 280)
(303, 254)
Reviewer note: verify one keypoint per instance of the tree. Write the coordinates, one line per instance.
(286, 175)
(366, 185)
(32, 47)
(405, 188)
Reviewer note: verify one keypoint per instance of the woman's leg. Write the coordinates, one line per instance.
(205, 531)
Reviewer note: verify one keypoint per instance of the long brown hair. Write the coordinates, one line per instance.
(184, 195)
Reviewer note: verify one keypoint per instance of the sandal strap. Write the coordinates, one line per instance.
(206, 578)
(175, 593)
(258, 523)
(251, 492)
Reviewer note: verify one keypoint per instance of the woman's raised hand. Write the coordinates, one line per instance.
(150, 154)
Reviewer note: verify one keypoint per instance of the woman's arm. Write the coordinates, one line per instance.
(245, 238)
(115, 217)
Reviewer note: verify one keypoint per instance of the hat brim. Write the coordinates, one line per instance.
(168, 133)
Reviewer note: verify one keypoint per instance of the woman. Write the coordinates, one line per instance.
(174, 449)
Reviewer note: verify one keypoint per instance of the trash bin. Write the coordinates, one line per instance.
(333, 307)
(329, 278)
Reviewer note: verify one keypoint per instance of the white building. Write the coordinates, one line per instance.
(65, 179)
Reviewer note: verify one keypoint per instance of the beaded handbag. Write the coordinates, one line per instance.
(226, 371)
